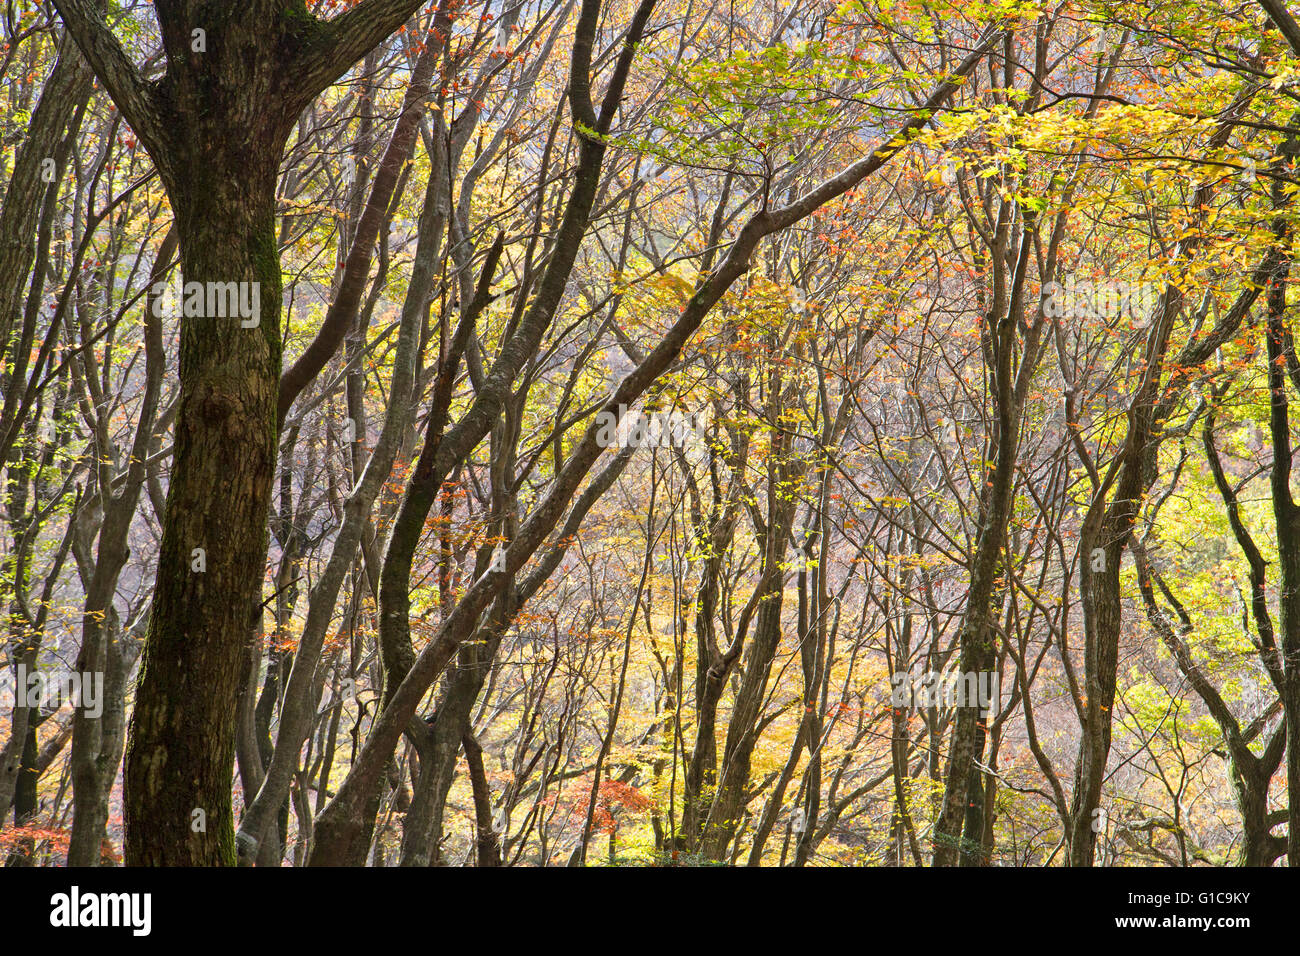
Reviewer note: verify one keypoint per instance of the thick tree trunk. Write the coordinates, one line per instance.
(210, 568)
(215, 125)
(1259, 847)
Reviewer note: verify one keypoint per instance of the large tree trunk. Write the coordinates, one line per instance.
(216, 124)
(178, 769)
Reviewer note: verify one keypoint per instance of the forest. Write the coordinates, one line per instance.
(710, 433)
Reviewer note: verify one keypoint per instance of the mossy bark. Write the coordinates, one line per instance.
(182, 732)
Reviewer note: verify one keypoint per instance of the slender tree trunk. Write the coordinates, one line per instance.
(487, 843)
(963, 793)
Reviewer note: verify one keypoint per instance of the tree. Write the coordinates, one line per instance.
(216, 123)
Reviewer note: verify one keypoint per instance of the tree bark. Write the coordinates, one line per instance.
(216, 125)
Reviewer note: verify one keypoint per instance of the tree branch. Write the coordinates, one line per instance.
(133, 95)
(401, 145)
(1285, 23)
(336, 44)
